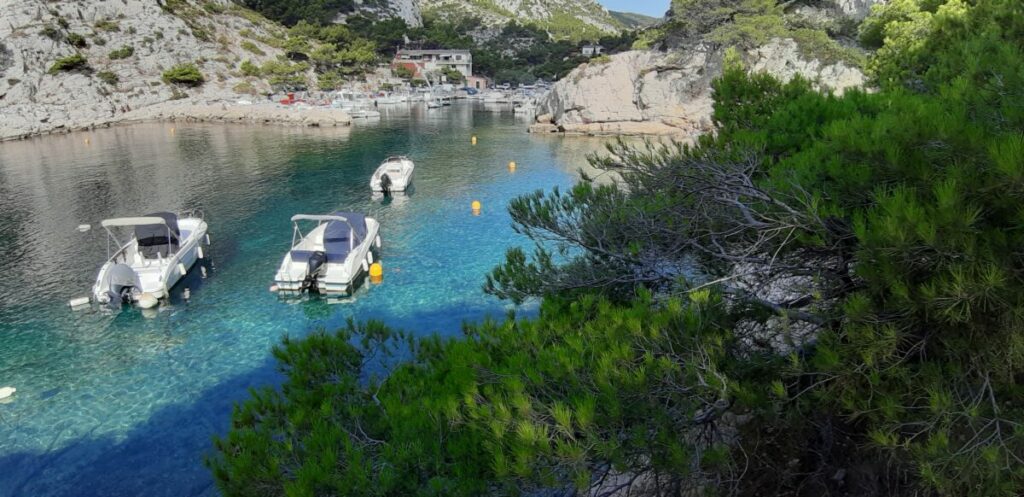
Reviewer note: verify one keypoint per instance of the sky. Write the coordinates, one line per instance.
(656, 8)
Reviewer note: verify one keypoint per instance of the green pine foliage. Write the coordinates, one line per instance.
(74, 62)
(895, 370)
(184, 74)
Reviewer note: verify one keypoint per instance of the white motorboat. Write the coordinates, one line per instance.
(161, 250)
(433, 103)
(360, 113)
(393, 175)
(331, 257)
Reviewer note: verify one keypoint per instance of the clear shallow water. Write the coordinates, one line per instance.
(126, 403)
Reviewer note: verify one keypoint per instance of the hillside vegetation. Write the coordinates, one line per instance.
(822, 298)
(632, 20)
(574, 20)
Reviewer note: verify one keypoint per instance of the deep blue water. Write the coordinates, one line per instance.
(126, 403)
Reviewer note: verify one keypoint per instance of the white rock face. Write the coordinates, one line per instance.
(648, 92)
(500, 12)
(33, 101)
(407, 10)
(781, 58)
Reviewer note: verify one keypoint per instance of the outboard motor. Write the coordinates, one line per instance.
(313, 266)
(120, 282)
(385, 184)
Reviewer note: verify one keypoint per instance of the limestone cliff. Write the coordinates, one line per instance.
(653, 92)
(575, 19)
(127, 45)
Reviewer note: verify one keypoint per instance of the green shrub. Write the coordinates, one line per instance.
(214, 7)
(108, 25)
(108, 77)
(248, 68)
(252, 47)
(403, 72)
(184, 74)
(76, 62)
(245, 87)
(52, 32)
(122, 53)
(98, 40)
(76, 40)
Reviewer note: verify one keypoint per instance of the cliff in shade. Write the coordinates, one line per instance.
(126, 45)
(666, 90)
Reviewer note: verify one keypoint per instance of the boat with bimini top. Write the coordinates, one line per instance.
(331, 257)
(160, 250)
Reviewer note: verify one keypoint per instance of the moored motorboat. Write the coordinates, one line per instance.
(161, 250)
(331, 257)
(393, 175)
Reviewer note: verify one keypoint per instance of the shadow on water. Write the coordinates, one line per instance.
(160, 456)
(155, 458)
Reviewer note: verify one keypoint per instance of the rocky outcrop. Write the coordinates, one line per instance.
(127, 45)
(656, 93)
(406, 10)
(241, 114)
(563, 18)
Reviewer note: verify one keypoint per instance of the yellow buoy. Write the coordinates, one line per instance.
(476, 207)
(86, 141)
(172, 130)
(473, 140)
(512, 166)
(376, 272)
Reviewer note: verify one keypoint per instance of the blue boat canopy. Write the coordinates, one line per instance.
(341, 237)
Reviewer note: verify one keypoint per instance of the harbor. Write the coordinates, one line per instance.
(113, 402)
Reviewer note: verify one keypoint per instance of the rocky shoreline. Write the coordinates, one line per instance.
(206, 112)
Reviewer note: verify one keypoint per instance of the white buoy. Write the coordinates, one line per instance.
(84, 227)
(6, 392)
(366, 266)
(148, 301)
(274, 288)
(199, 252)
(187, 294)
(182, 269)
(369, 257)
(202, 271)
(79, 302)
(207, 239)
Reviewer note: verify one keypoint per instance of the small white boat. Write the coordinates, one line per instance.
(359, 113)
(331, 257)
(393, 175)
(434, 103)
(161, 250)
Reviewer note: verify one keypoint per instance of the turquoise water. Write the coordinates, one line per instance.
(126, 403)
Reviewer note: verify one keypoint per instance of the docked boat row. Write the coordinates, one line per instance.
(148, 255)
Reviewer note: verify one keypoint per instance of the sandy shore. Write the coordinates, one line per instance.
(210, 112)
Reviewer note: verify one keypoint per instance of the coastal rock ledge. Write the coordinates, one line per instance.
(667, 93)
(319, 117)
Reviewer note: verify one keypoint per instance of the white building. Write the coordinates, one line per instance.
(592, 50)
(427, 61)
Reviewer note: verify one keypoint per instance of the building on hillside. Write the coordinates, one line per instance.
(421, 62)
(478, 82)
(592, 50)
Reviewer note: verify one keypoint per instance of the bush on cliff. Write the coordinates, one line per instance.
(184, 74)
(76, 62)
